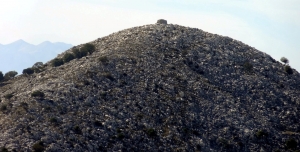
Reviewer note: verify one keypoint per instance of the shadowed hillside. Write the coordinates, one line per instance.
(158, 87)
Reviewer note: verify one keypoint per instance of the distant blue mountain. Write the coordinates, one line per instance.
(19, 55)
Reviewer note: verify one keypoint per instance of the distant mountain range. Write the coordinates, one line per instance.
(20, 54)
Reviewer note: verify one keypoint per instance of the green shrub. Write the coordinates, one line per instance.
(121, 135)
(8, 96)
(77, 53)
(1, 76)
(3, 108)
(248, 66)
(103, 59)
(37, 67)
(38, 94)
(53, 120)
(57, 62)
(97, 123)
(3, 149)
(291, 143)
(38, 147)
(88, 48)
(261, 133)
(77, 130)
(68, 57)
(288, 69)
(28, 71)
(151, 132)
(10, 75)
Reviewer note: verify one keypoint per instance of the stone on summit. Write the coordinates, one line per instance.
(162, 21)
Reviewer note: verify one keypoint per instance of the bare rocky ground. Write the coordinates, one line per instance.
(158, 87)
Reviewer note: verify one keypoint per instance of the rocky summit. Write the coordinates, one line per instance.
(158, 87)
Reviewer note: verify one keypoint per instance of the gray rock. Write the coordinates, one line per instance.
(161, 21)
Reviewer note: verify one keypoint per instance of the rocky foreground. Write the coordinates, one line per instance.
(158, 87)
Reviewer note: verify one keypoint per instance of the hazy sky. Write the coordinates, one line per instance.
(271, 26)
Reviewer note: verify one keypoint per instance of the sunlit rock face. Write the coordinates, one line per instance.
(157, 87)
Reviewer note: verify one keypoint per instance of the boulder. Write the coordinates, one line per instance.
(162, 21)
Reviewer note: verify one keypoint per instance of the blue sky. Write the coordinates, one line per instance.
(271, 26)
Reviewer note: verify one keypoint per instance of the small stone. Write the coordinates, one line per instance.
(162, 21)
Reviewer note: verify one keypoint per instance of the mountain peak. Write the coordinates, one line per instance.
(20, 41)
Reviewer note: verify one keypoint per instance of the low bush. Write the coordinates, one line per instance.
(3, 108)
(151, 132)
(53, 120)
(1, 76)
(76, 53)
(291, 143)
(261, 133)
(3, 149)
(68, 57)
(103, 59)
(77, 130)
(37, 67)
(88, 48)
(248, 66)
(120, 136)
(97, 123)
(8, 96)
(38, 94)
(10, 75)
(38, 147)
(288, 69)
(28, 71)
(57, 62)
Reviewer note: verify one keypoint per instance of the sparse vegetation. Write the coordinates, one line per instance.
(288, 69)
(3, 149)
(38, 94)
(77, 53)
(103, 59)
(77, 130)
(291, 143)
(8, 96)
(97, 123)
(120, 136)
(151, 132)
(28, 71)
(37, 67)
(68, 57)
(261, 133)
(38, 147)
(248, 66)
(3, 107)
(224, 142)
(90, 48)
(53, 120)
(10, 75)
(84, 50)
(57, 62)
(1, 76)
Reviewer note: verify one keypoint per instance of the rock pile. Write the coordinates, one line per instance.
(158, 87)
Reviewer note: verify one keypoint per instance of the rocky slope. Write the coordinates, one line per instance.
(158, 87)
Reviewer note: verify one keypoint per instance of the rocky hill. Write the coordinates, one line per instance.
(158, 87)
